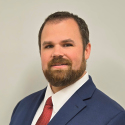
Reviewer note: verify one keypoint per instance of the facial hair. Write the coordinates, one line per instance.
(61, 77)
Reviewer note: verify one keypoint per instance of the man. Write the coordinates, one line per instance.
(73, 98)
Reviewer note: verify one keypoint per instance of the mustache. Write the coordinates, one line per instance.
(59, 60)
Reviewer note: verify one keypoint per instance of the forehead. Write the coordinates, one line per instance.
(65, 20)
(61, 28)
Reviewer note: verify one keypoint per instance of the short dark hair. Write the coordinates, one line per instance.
(59, 16)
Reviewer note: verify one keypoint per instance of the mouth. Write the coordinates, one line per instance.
(59, 65)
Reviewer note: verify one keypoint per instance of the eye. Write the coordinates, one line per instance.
(48, 46)
(67, 45)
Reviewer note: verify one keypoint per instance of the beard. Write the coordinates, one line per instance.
(60, 77)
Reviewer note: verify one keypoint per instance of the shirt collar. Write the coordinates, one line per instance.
(65, 93)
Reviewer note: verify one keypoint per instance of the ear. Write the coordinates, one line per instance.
(87, 51)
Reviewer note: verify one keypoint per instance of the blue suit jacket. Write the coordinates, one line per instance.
(87, 106)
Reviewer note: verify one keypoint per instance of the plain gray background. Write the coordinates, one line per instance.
(20, 64)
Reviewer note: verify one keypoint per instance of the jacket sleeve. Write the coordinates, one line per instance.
(119, 119)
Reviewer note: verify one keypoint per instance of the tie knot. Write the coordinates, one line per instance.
(49, 101)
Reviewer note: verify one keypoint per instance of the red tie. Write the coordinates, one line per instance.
(47, 112)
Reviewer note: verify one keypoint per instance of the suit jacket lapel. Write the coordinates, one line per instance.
(68, 111)
(33, 108)
(74, 105)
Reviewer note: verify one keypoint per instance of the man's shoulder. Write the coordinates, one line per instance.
(106, 101)
(104, 106)
(30, 100)
(100, 99)
(99, 104)
(34, 95)
(29, 105)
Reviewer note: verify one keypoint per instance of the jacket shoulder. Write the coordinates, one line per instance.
(107, 109)
(104, 100)
(119, 119)
(34, 95)
(29, 105)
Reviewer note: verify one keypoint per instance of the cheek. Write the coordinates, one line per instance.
(76, 58)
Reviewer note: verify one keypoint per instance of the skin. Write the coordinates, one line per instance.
(62, 39)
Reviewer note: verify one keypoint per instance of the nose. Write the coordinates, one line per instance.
(57, 52)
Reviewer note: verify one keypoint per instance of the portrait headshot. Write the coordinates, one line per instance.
(63, 65)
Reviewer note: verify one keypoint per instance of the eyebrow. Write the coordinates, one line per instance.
(46, 42)
(67, 40)
(63, 41)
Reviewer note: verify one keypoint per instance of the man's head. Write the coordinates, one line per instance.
(63, 50)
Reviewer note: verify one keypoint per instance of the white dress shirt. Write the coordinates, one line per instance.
(59, 98)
